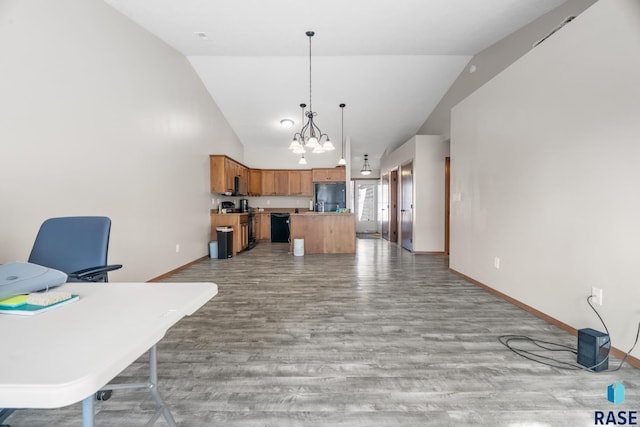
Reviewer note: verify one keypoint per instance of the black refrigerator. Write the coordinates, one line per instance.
(330, 197)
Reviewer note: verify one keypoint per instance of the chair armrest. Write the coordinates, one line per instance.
(88, 274)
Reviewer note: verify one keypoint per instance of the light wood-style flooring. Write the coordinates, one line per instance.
(379, 338)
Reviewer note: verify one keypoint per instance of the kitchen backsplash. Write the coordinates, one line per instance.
(265, 202)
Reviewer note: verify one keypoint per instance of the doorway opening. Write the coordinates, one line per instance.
(366, 202)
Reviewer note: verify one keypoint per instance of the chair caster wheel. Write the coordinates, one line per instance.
(104, 394)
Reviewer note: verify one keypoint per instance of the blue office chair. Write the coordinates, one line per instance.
(77, 246)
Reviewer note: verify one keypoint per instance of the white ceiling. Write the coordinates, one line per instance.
(389, 61)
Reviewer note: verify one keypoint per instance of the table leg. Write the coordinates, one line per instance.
(151, 385)
(87, 411)
(4, 414)
(153, 388)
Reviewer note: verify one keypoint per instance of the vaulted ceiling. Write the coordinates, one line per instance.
(389, 61)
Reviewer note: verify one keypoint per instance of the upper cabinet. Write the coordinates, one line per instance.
(300, 183)
(269, 182)
(281, 182)
(306, 183)
(222, 171)
(275, 182)
(329, 174)
(255, 182)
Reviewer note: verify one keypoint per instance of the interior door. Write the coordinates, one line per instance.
(406, 212)
(385, 206)
(393, 206)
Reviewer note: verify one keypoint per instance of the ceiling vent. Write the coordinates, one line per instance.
(565, 22)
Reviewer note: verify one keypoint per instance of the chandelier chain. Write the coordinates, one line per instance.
(310, 104)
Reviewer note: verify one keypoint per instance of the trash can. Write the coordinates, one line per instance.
(225, 242)
(213, 249)
(298, 247)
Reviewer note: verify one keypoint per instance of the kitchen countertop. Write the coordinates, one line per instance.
(322, 213)
(284, 210)
(215, 212)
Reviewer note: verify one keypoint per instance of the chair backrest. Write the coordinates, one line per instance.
(70, 244)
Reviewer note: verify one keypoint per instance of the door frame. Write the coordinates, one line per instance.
(447, 203)
(385, 219)
(393, 206)
(406, 166)
(376, 183)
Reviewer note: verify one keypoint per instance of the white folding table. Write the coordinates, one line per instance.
(66, 355)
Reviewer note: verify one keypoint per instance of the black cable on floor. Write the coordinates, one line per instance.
(535, 356)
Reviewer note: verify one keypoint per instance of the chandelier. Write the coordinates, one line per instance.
(310, 136)
(366, 167)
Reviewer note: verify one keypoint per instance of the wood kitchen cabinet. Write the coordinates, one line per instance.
(306, 183)
(222, 171)
(281, 182)
(268, 183)
(329, 174)
(263, 226)
(300, 183)
(255, 182)
(244, 232)
(275, 183)
(258, 231)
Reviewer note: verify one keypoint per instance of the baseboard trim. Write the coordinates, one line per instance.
(573, 331)
(175, 270)
(428, 253)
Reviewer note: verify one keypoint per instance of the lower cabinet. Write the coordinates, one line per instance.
(244, 232)
(263, 228)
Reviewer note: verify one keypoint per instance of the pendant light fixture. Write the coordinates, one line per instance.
(366, 167)
(295, 144)
(310, 136)
(342, 161)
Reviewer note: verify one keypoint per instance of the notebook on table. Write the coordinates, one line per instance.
(26, 304)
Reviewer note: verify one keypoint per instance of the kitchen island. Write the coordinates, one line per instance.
(324, 232)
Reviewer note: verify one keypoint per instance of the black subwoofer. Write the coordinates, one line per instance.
(593, 349)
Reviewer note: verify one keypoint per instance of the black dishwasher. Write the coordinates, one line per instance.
(280, 227)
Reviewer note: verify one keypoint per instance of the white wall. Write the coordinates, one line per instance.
(544, 158)
(283, 158)
(98, 117)
(270, 202)
(492, 60)
(428, 201)
(428, 153)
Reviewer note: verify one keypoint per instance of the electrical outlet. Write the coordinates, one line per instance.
(496, 263)
(177, 247)
(596, 295)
